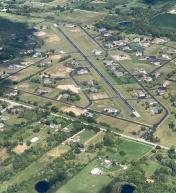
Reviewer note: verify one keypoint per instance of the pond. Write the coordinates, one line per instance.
(42, 186)
(127, 188)
(125, 23)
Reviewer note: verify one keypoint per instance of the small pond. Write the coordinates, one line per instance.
(42, 186)
(127, 188)
(125, 23)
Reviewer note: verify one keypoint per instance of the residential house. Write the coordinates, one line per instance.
(69, 25)
(41, 92)
(102, 30)
(55, 126)
(118, 74)
(97, 52)
(136, 114)
(47, 81)
(96, 172)
(108, 163)
(155, 110)
(141, 94)
(108, 62)
(93, 89)
(161, 91)
(88, 114)
(82, 71)
(166, 83)
(151, 103)
(112, 111)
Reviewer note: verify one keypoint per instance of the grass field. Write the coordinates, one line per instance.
(85, 182)
(132, 149)
(165, 20)
(150, 168)
(81, 16)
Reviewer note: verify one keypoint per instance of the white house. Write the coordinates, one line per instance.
(35, 139)
(96, 172)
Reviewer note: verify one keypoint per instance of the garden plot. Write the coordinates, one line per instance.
(97, 96)
(59, 70)
(75, 110)
(71, 87)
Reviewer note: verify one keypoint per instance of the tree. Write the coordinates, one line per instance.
(108, 140)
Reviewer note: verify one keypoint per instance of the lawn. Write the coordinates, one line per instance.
(124, 126)
(84, 182)
(150, 167)
(165, 20)
(132, 151)
(86, 135)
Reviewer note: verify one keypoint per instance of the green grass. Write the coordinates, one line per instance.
(165, 20)
(87, 134)
(84, 182)
(150, 167)
(81, 16)
(133, 151)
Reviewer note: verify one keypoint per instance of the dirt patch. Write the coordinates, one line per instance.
(71, 87)
(62, 71)
(75, 30)
(97, 96)
(2, 152)
(39, 34)
(53, 38)
(21, 148)
(56, 57)
(75, 110)
(24, 85)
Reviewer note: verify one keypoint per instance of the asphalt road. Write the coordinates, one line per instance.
(118, 94)
(166, 111)
(13, 103)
